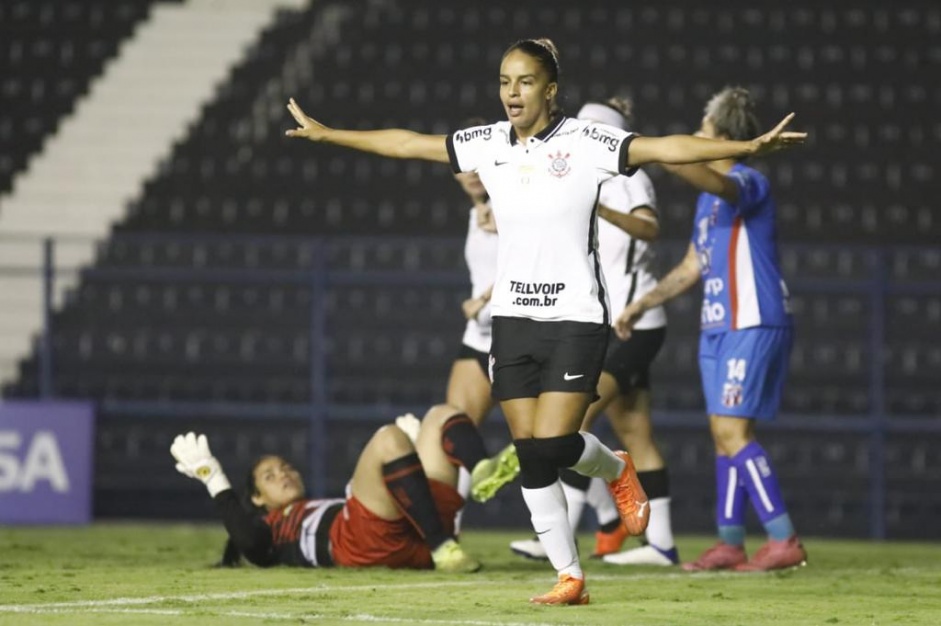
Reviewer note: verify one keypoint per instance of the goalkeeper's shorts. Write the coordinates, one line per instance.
(360, 538)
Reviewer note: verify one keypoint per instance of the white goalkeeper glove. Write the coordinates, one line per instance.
(410, 425)
(195, 460)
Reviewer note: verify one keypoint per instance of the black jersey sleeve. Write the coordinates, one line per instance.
(248, 531)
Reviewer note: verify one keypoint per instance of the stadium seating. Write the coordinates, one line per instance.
(415, 59)
(49, 52)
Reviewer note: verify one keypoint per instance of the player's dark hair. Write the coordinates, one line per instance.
(732, 113)
(231, 556)
(250, 487)
(544, 51)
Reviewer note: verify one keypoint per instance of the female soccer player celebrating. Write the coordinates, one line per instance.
(549, 302)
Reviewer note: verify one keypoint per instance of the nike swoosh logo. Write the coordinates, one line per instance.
(499, 163)
(542, 532)
(568, 376)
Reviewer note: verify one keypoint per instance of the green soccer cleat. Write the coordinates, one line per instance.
(490, 475)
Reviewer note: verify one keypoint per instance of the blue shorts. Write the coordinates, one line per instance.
(743, 371)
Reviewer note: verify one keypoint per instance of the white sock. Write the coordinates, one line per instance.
(575, 499)
(463, 488)
(463, 482)
(598, 460)
(548, 513)
(599, 498)
(660, 530)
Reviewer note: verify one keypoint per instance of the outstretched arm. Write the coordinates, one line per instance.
(641, 223)
(396, 143)
(678, 280)
(690, 149)
(248, 531)
(706, 179)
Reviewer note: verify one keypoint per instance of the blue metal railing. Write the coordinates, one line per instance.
(321, 277)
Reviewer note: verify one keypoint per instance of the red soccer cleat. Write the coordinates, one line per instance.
(776, 555)
(719, 556)
(630, 498)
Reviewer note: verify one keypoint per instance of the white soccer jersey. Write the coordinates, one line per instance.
(629, 264)
(544, 192)
(480, 252)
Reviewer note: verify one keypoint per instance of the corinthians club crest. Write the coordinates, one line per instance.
(559, 165)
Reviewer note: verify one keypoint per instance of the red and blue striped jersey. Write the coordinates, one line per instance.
(738, 257)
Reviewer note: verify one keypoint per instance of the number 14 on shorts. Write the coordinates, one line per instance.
(736, 370)
(732, 390)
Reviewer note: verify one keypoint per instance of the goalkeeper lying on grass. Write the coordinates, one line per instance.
(401, 504)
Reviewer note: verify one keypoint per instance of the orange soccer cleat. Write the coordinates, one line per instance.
(569, 590)
(630, 498)
(609, 543)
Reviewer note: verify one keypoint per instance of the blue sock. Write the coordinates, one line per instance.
(763, 490)
(732, 535)
(780, 528)
(731, 498)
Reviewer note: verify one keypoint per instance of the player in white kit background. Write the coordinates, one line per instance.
(550, 305)
(469, 383)
(628, 225)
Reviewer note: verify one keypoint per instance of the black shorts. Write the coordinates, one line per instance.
(466, 352)
(629, 361)
(530, 357)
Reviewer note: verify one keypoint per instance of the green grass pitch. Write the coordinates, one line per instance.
(147, 574)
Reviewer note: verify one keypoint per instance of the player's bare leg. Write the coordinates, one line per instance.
(390, 480)
(469, 390)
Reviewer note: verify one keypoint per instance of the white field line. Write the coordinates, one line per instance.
(230, 595)
(290, 591)
(294, 617)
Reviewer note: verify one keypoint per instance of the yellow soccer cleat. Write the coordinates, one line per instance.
(450, 557)
(491, 475)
